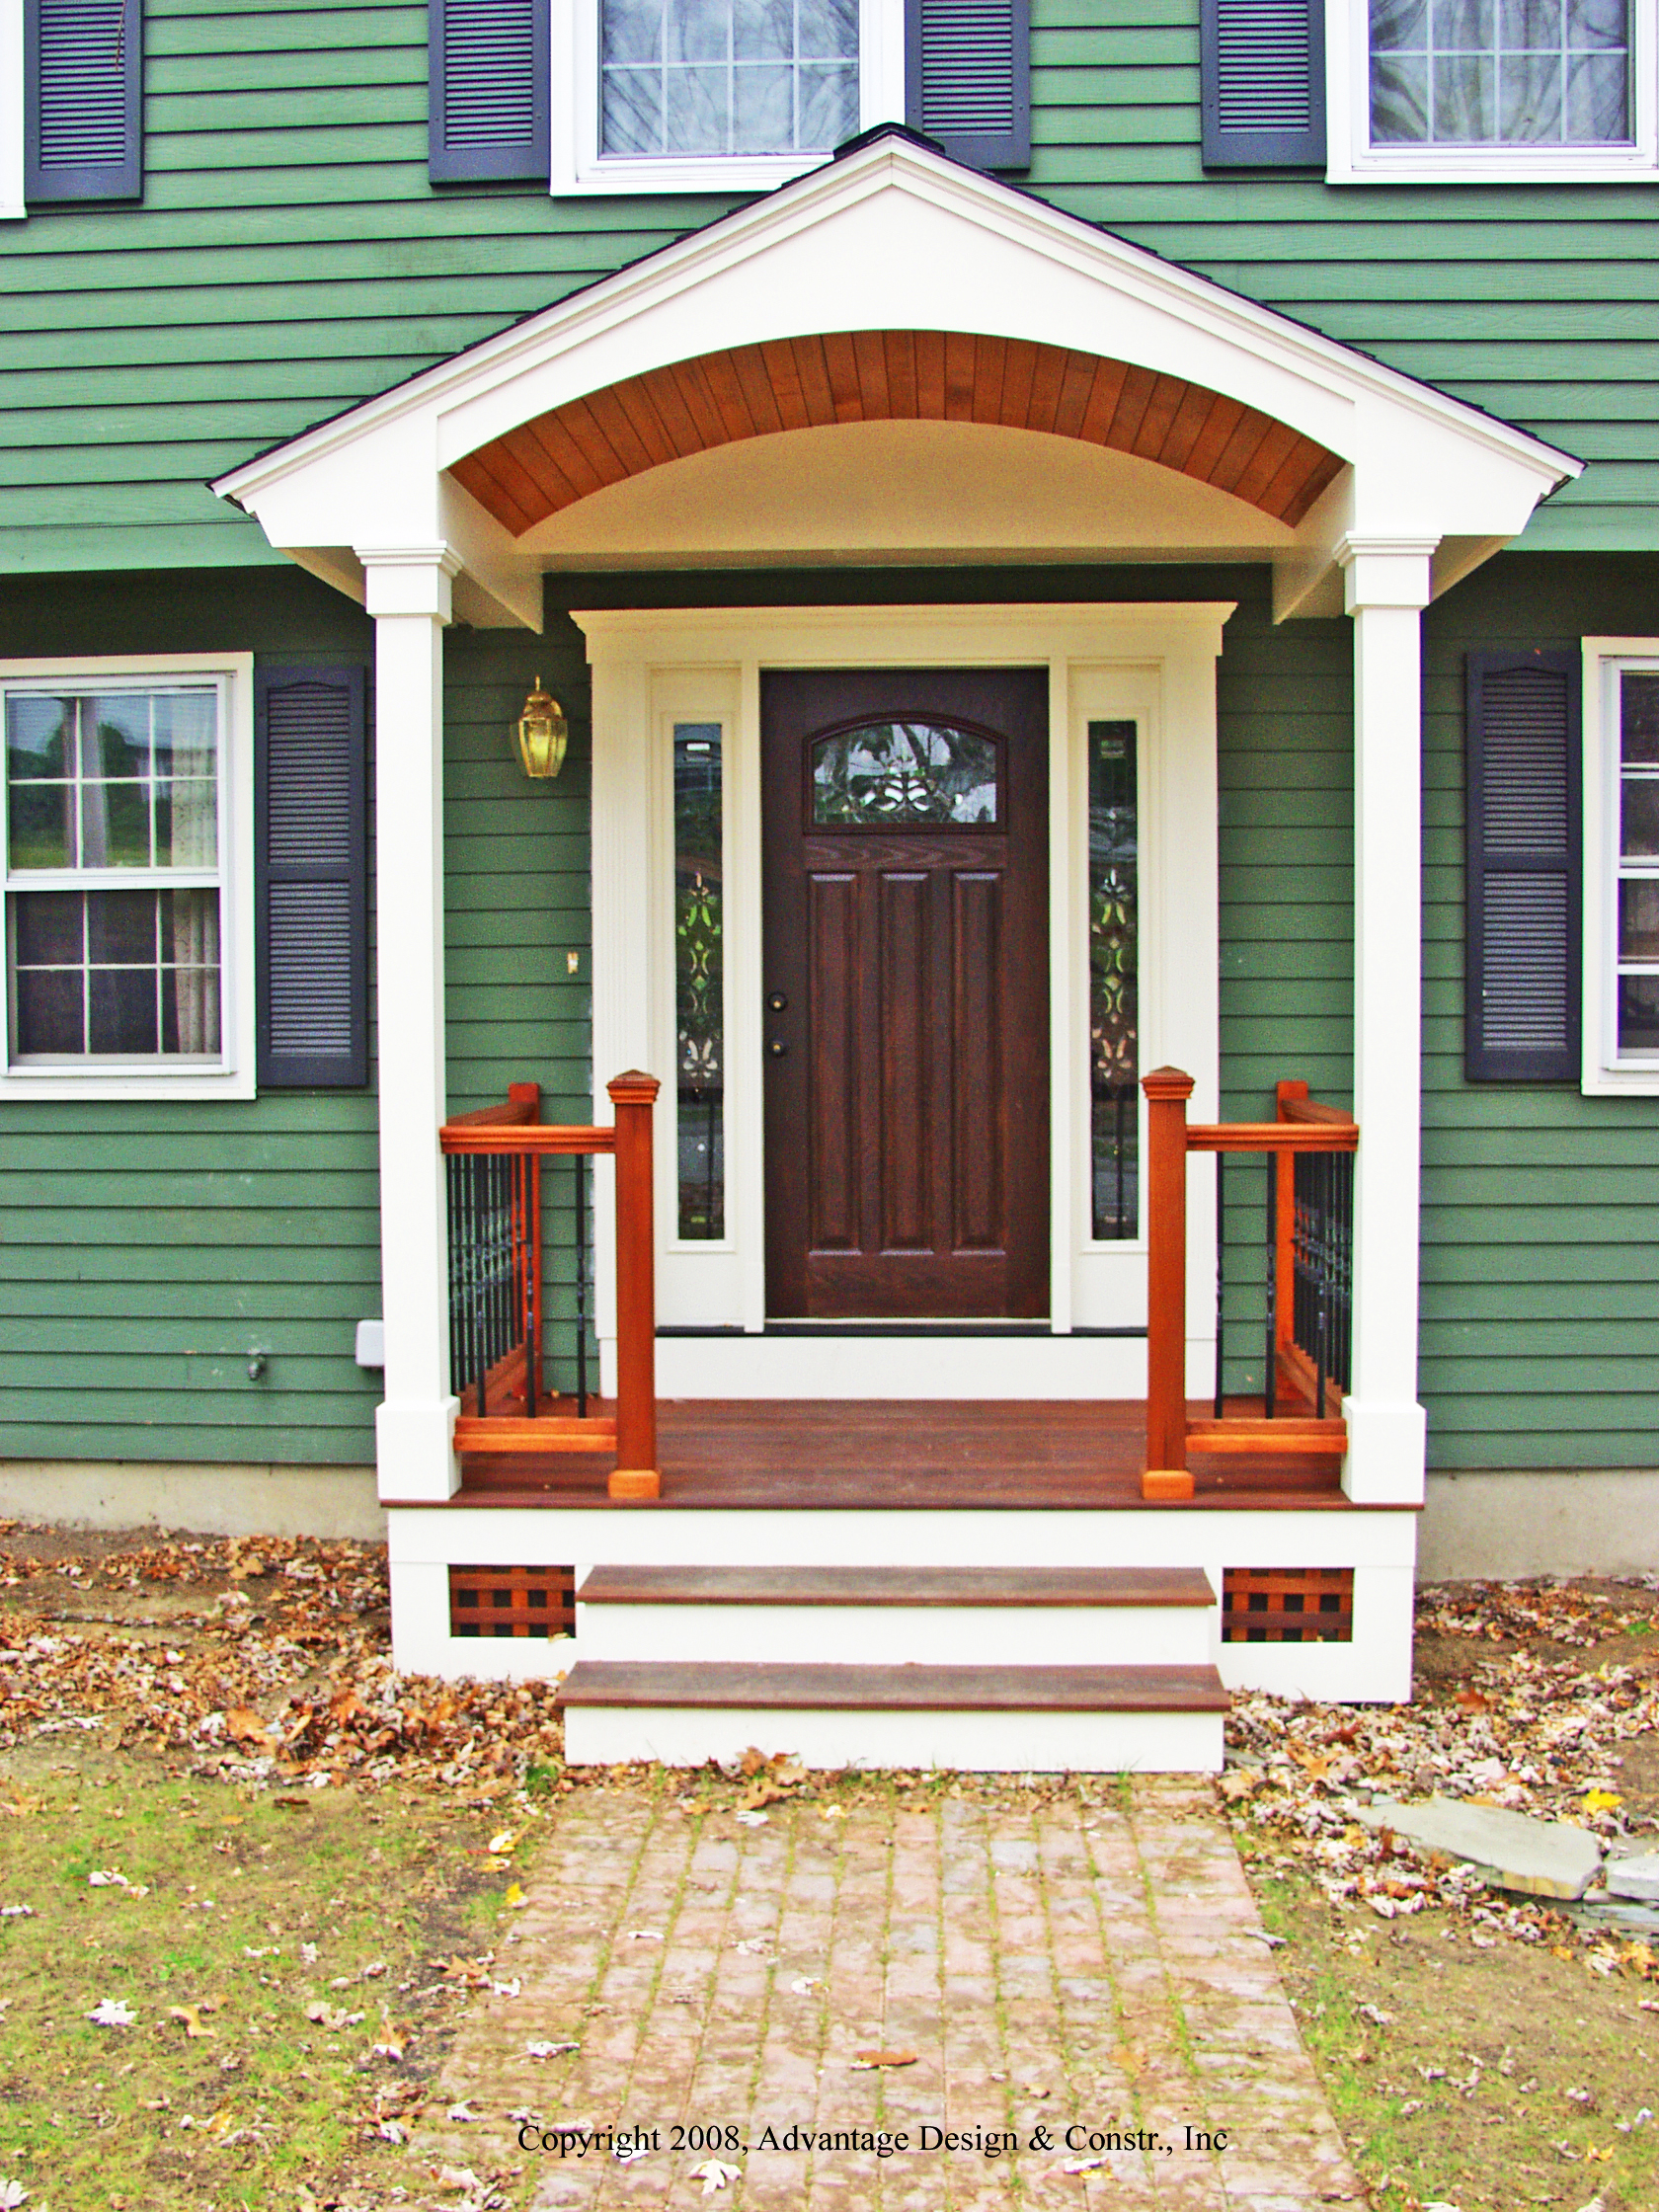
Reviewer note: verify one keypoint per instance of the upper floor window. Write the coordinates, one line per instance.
(1500, 73)
(692, 95)
(727, 76)
(651, 96)
(1453, 91)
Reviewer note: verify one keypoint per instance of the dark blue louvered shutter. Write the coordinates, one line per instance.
(488, 90)
(311, 880)
(1525, 869)
(968, 78)
(83, 99)
(1263, 83)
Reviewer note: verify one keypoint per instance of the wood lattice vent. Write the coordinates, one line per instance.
(1288, 1605)
(512, 1600)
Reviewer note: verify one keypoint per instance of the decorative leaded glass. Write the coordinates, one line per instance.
(699, 1005)
(728, 76)
(1500, 73)
(903, 775)
(1114, 1013)
(1639, 862)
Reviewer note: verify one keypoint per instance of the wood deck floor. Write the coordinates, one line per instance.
(905, 1453)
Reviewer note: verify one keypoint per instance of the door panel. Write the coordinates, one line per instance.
(906, 964)
(833, 1088)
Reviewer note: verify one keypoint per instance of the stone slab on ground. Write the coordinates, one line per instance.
(1088, 1962)
(1634, 1877)
(1544, 1858)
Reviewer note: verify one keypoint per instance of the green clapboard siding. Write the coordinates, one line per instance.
(1541, 1207)
(146, 1250)
(290, 258)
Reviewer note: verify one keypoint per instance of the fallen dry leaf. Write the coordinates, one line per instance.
(191, 2015)
(864, 2062)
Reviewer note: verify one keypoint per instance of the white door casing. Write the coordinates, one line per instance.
(1153, 664)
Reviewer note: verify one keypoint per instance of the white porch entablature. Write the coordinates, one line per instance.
(895, 238)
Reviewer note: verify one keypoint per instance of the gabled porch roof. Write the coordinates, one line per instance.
(895, 298)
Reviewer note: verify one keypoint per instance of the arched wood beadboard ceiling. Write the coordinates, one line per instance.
(867, 377)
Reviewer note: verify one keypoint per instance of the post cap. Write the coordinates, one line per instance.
(1167, 1082)
(632, 1089)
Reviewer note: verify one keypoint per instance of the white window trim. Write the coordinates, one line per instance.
(1350, 159)
(11, 109)
(577, 163)
(234, 1077)
(1604, 1075)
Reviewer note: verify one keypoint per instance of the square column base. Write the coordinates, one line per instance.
(1388, 1447)
(415, 1450)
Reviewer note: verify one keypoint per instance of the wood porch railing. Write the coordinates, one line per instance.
(1307, 1276)
(497, 1275)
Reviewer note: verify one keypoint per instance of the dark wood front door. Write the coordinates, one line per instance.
(907, 992)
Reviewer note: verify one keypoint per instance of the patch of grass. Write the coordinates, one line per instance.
(223, 1890)
(1415, 2108)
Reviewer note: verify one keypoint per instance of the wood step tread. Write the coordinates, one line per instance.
(800, 1689)
(896, 1586)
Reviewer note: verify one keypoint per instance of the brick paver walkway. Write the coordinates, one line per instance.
(1082, 1962)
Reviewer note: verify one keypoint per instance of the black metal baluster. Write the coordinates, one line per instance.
(1270, 1389)
(530, 1194)
(1221, 1267)
(481, 1292)
(453, 1226)
(1322, 1339)
(579, 1160)
(502, 1335)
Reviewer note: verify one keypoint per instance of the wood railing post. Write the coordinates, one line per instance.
(1167, 1090)
(635, 1475)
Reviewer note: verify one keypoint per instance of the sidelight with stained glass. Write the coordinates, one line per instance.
(1639, 862)
(1114, 1004)
(699, 980)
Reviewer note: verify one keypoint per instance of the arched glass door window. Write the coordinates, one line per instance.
(906, 775)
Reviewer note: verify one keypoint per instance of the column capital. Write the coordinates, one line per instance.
(410, 578)
(1385, 571)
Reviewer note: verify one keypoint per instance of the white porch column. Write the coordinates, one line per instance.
(1387, 588)
(409, 599)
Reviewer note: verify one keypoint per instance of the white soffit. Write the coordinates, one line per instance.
(892, 236)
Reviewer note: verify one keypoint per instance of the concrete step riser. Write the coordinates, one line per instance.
(901, 1635)
(974, 1742)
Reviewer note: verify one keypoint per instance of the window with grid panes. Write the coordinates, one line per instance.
(114, 876)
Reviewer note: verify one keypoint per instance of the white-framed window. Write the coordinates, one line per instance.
(11, 109)
(1622, 865)
(1500, 91)
(717, 95)
(129, 877)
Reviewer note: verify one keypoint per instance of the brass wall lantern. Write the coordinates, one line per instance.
(543, 734)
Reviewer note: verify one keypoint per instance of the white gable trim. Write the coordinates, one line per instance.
(894, 236)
